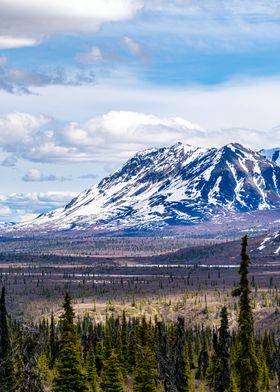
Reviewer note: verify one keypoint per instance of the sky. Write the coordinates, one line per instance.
(85, 84)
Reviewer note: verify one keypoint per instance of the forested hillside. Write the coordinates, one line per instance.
(139, 354)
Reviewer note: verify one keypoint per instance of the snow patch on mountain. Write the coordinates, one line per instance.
(181, 184)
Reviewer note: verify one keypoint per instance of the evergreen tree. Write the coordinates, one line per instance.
(146, 378)
(124, 342)
(264, 372)
(6, 364)
(246, 362)
(132, 352)
(112, 378)
(68, 369)
(91, 374)
(52, 343)
(219, 374)
(99, 357)
(164, 356)
(186, 376)
(181, 364)
(203, 361)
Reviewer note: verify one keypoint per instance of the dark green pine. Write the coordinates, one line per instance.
(219, 376)
(112, 378)
(146, 377)
(247, 366)
(181, 368)
(91, 373)
(69, 376)
(6, 365)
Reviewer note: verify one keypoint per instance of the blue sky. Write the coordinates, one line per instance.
(84, 85)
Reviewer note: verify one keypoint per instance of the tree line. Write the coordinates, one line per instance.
(138, 354)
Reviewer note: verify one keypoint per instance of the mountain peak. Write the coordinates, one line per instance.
(180, 184)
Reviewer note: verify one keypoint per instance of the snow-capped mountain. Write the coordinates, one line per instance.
(273, 154)
(180, 184)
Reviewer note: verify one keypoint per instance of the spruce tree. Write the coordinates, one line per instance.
(218, 374)
(146, 378)
(124, 342)
(52, 344)
(112, 378)
(181, 365)
(6, 364)
(246, 362)
(69, 376)
(91, 373)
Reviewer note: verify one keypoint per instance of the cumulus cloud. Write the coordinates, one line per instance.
(19, 206)
(18, 129)
(35, 175)
(109, 138)
(28, 23)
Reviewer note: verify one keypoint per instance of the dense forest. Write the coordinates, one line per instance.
(137, 354)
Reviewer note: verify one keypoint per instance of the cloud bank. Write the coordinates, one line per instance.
(109, 138)
(21, 206)
(29, 23)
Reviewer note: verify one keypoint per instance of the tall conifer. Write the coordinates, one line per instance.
(219, 375)
(6, 365)
(112, 378)
(69, 376)
(146, 378)
(246, 362)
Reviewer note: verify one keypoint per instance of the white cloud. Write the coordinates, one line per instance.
(111, 137)
(5, 212)
(26, 23)
(17, 130)
(7, 42)
(35, 175)
(18, 206)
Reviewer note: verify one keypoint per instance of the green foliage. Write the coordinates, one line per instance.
(6, 364)
(112, 378)
(124, 343)
(146, 378)
(219, 376)
(52, 344)
(91, 374)
(69, 376)
(247, 366)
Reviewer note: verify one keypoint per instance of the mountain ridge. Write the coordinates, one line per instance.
(180, 184)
